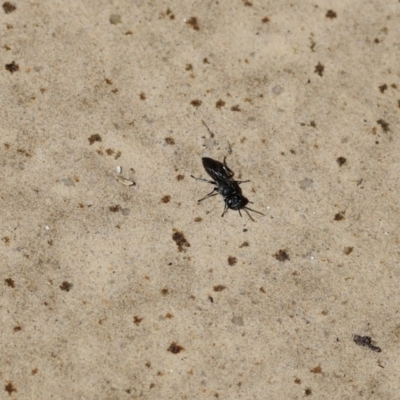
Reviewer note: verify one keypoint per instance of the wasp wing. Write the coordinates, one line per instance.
(216, 170)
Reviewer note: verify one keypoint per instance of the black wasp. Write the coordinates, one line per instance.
(226, 186)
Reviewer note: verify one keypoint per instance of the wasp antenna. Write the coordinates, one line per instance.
(258, 212)
(245, 209)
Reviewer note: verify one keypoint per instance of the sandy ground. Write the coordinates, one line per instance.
(111, 291)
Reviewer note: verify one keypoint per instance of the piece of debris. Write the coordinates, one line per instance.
(125, 181)
(366, 341)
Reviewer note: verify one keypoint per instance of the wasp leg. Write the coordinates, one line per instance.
(209, 195)
(225, 209)
(201, 179)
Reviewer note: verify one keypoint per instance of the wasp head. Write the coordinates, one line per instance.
(236, 201)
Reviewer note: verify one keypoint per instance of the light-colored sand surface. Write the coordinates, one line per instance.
(124, 292)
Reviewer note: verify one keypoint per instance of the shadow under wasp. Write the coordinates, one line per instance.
(226, 186)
